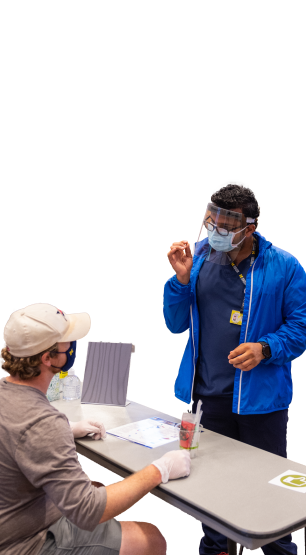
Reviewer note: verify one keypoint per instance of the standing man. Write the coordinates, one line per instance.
(244, 303)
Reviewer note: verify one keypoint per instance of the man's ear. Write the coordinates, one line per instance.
(46, 359)
(250, 230)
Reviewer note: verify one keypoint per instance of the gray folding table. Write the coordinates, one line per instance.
(228, 488)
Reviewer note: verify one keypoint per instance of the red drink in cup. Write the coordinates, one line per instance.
(186, 434)
(190, 430)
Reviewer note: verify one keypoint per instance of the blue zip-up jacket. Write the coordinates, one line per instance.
(274, 311)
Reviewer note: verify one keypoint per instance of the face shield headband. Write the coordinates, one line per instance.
(225, 234)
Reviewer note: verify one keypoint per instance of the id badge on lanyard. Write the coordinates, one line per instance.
(237, 315)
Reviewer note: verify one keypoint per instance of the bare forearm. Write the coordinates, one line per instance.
(123, 495)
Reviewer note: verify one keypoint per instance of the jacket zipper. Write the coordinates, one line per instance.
(246, 332)
(193, 350)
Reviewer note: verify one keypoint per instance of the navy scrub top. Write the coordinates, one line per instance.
(219, 291)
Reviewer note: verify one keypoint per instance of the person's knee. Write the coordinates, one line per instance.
(155, 535)
(142, 538)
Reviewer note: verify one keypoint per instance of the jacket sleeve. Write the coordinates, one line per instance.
(177, 300)
(289, 341)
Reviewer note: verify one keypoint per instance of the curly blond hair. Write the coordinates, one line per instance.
(25, 367)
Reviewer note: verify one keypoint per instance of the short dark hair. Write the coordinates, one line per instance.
(237, 196)
(25, 367)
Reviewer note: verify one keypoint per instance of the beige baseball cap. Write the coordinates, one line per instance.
(37, 327)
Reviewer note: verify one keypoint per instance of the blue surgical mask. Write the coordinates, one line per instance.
(70, 354)
(223, 243)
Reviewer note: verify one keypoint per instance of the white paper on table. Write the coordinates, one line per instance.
(150, 432)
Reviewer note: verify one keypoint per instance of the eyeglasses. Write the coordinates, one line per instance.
(221, 230)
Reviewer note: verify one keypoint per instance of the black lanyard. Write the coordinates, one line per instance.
(241, 275)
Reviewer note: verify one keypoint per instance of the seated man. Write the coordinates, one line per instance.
(47, 503)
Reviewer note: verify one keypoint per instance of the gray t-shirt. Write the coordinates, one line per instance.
(40, 476)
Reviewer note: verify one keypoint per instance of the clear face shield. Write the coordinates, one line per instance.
(226, 232)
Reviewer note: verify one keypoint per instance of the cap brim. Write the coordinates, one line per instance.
(79, 326)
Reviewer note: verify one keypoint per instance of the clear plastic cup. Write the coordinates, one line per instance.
(189, 435)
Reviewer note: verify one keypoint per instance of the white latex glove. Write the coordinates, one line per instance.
(174, 464)
(85, 427)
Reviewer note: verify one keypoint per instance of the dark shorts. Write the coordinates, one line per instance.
(63, 537)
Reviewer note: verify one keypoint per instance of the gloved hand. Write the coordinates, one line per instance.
(85, 427)
(174, 464)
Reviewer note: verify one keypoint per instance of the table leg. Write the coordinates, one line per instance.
(231, 547)
(241, 550)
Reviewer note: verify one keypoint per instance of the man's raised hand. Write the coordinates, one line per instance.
(180, 258)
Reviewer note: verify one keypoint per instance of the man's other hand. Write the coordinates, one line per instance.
(180, 258)
(85, 427)
(246, 356)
